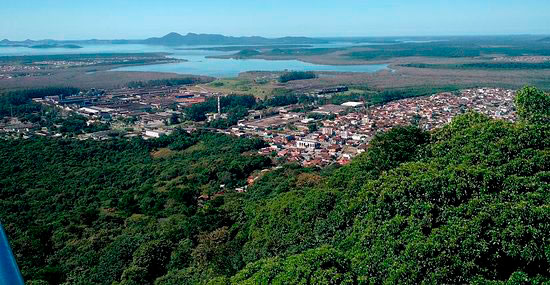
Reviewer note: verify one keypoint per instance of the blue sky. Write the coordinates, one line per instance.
(133, 19)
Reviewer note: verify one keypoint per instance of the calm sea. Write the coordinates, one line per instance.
(197, 62)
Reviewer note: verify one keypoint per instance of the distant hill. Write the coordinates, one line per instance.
(214, 39)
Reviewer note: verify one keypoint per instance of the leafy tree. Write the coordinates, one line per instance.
(323, 265)
(174, 119)
(181, 256)
(533, 105)
(312, 127)
(151, 258)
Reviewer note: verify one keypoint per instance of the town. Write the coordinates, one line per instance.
(353, 125)
(318, 135)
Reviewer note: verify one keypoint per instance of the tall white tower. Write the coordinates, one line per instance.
(219, 106)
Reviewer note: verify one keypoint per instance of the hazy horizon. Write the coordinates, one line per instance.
(314, 37)
(125, 19)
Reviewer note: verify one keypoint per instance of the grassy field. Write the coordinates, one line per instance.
(85, 78)
(260, 88)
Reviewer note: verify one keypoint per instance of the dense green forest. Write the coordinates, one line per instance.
(78, 210)
(372, 97)
(270, 51)
(467, 203)
(484, 65)
(19, 103)
(299, 51)
(296, 75)
(455, 48)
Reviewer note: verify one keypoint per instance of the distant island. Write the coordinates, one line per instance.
(246, 53)
(47, 46)
(171, 39)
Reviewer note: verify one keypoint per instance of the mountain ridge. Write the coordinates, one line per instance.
(176, 39)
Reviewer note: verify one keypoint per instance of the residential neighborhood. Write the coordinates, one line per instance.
(354, 125)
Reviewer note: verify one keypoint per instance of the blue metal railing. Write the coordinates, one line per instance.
(9, 272)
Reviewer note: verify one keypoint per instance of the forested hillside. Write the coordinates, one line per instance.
(468, 203)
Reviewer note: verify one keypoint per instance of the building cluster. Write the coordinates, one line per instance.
(30, 68)
(80, 62)
(146, 110)
(327, 91)
(296, 137)
(15, 126)
(523, 58)
(13, 71)
(436, 110)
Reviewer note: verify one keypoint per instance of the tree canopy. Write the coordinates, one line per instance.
(533, 105)
(19, 103)
(296, 75)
